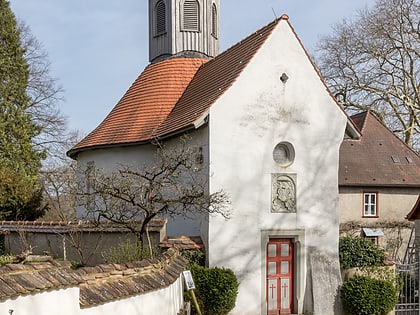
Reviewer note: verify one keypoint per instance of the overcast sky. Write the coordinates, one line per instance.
(97, 48)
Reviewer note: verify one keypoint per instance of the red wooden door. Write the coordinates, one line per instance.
(279, 270)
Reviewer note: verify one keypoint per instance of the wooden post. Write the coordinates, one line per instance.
(197, 307)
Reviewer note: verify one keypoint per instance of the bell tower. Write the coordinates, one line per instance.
(183, 28)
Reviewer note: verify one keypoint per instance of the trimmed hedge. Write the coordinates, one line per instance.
(216, 289)
(359, 252)
(362, 295)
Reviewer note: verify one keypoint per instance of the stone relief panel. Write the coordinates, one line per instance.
(283, 193)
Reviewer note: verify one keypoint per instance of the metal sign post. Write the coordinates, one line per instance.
(189, 282)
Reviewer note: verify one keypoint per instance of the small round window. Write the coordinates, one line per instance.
(284, 153)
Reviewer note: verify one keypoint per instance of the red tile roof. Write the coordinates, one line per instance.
(174, 95)
(182, 242)
(98, 285)
(378, 158)
(145, 105)
(171, 95)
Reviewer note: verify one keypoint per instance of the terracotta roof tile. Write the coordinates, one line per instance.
(98, 284)
(171, 95)
(378, 158)
(182, 242)
(145, 105)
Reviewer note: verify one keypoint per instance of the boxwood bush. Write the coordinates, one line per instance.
(216, 289)
(363, 295)
(359, 252)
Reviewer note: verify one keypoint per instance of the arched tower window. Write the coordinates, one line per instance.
(160, 17)
(190, 14)
(214, 20)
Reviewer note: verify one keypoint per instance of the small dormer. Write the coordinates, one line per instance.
(183, 28)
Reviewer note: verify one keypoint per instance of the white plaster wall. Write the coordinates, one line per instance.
(163, 302)
(142, 155)
(63, 302)
(167, 301)
(246, 123)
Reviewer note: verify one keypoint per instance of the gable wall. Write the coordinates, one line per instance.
(246, 123)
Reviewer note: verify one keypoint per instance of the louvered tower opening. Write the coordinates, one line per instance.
(214, 20)
(190, 12)
(160, 17)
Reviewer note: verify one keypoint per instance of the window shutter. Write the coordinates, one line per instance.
(190, 12)
(160, 17)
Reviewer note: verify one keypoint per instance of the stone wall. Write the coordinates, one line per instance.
(75, 241)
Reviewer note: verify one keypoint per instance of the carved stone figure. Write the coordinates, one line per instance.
(283, 193)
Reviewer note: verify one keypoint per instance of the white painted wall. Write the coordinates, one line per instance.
(139, 156)
(246, 123)
(63, 302)
(167, 301)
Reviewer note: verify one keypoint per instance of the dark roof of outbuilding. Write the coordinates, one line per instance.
(73, 226)
(378, 158)
(98, 285)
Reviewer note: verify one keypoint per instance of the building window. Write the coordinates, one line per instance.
(214, 20)
(370, 204)
(160, 17)
(190, 14)
(284, 153)
(372, 234)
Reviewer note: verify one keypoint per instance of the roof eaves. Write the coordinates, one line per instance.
(201, 120)
(378, 185)
(74, 152)
(414, 213)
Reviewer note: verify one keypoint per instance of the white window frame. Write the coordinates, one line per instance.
(370, 205)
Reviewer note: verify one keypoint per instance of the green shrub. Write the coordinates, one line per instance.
(194, 257)
(216, 289)
(362, 295)
(7, 259)
(359, 252)
(76, 264)
(128, 251)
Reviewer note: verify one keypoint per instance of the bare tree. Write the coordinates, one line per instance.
(373, 63)
(175, 185)
(43, 90)
(58, 180)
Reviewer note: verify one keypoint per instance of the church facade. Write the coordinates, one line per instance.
(269, 133)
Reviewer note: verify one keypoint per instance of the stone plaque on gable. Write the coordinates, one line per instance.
(283, 193)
